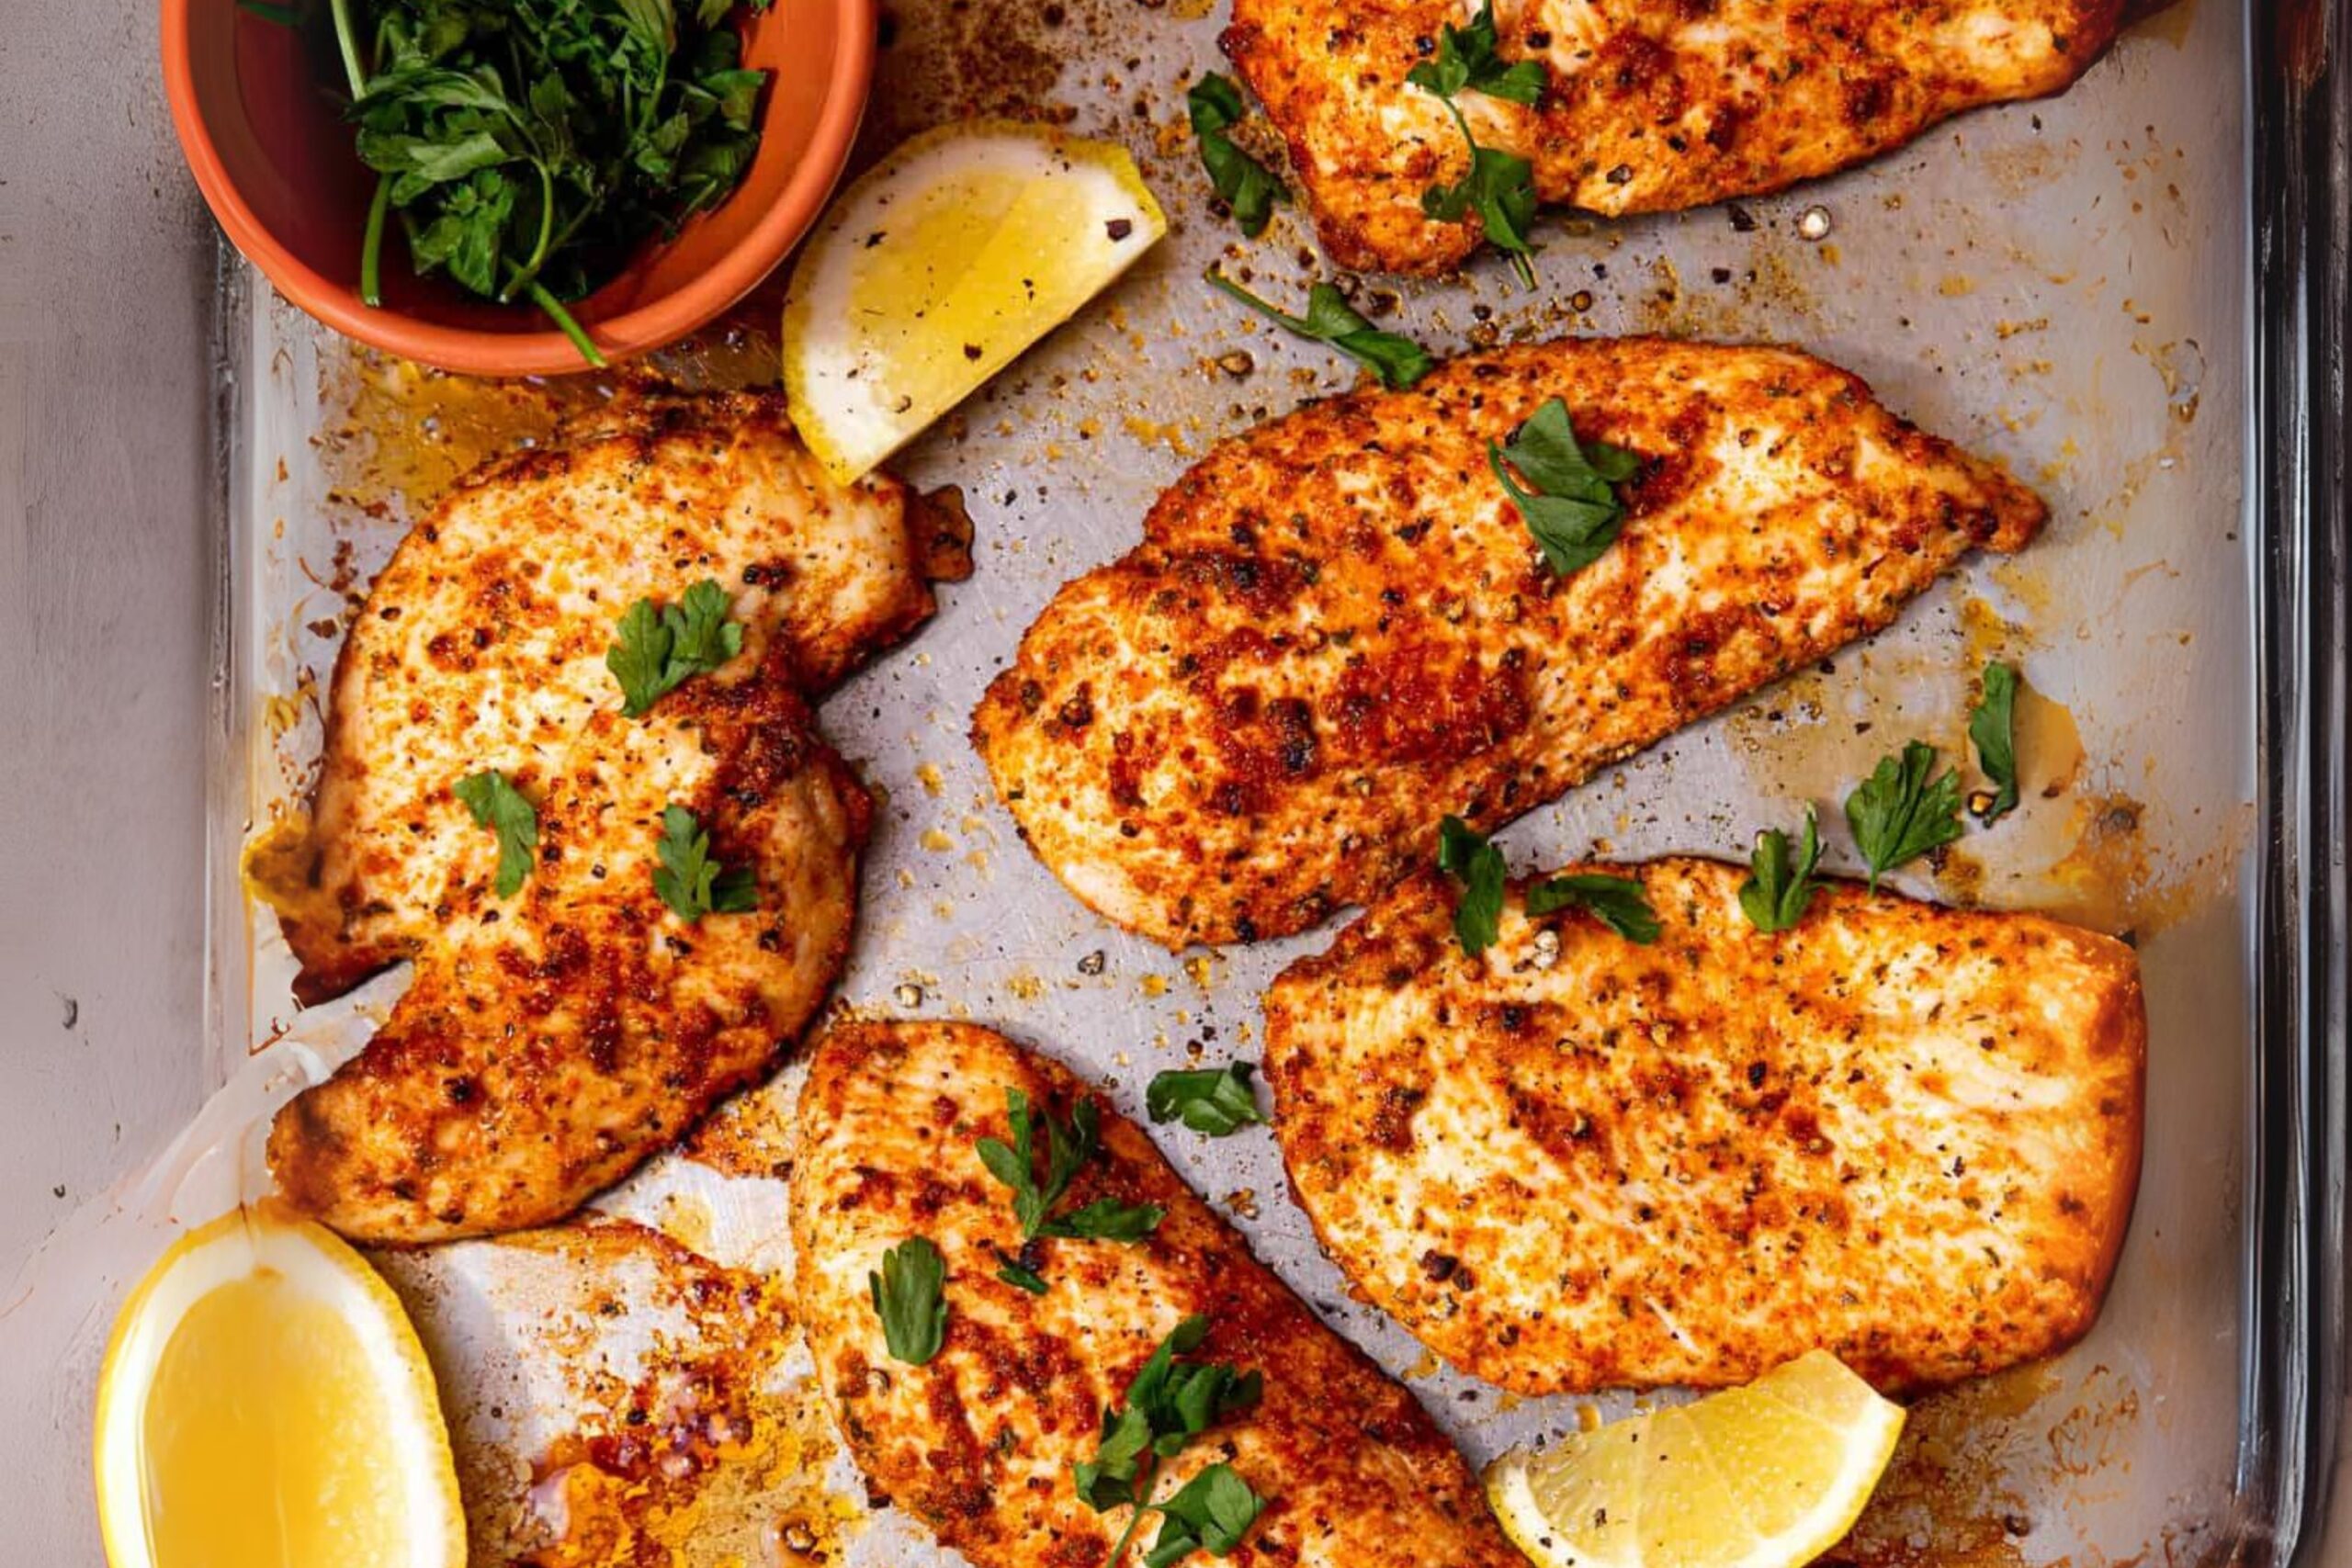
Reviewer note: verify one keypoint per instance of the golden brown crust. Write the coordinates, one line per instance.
(1904, 1133)
(1651, 107)
(550, 1041)
(1336, 629)
(978, 1443)
(500, 605)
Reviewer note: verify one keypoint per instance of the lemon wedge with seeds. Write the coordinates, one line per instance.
(264, 1404)
(1770, 1476)
(939, 266)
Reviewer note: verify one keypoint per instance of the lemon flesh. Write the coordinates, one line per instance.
(1770, 1476)
(264, 1404)
(939, 266)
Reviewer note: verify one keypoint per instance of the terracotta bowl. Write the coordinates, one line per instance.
(261, 131)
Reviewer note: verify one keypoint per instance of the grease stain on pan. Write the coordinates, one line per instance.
(641, 1406)
(1976, 1461)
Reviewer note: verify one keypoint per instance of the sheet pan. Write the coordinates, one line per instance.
(2077, 287)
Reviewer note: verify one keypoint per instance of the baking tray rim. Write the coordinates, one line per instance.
(2300, 186)
(2298, 516)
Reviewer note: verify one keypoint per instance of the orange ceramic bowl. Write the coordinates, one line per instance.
(261, 131)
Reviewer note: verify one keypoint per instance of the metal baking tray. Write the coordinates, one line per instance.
(2130, 294)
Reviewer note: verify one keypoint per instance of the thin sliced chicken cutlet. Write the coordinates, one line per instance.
(550, 1041)
(978, 1443)
(1904, 1134)
(1649, 107)
(482, 645)
(1337, 628)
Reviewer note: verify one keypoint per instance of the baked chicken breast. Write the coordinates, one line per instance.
(1904, 1134)
(1645, 107)
(553, 1038)
(979, 1442)
(1337, 628)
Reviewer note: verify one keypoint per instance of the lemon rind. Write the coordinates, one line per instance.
(847, 466)
(1509, 1495)
(229, 1248)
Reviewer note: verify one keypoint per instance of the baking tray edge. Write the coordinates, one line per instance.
(2292, 1384)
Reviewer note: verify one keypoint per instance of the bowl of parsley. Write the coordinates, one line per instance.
(510, 188)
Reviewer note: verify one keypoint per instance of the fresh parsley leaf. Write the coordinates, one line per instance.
(1500, 187)
(1216, 1101)
(1778, 890)
(1991, 725)
(703, 638)
(1617, 902)
(1242, 183)
(1901, 812)
(910, 1299)
(689, 881)
(1017, 1274)
(496, 804)
(1168, 1403)
(1209, 1513)
(1397, 361)
(1068, 1148)
(639, 657)
(1568, 500)
(1469, 59)
(1478, 915)
(1107, 1219)
(1108, 1480)
(657, 650)
(1014, 1165)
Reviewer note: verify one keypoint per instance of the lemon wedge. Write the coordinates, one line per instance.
(942, 263)
(264, 1404)
(1770, 1476)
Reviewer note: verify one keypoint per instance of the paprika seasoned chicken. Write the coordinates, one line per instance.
(980, 1440)
(1643, 106)
(1337, 628)
(555, 1037)
(1906, 1134)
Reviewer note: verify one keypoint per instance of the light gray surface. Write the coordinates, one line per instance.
(107, 263)
(105, 270)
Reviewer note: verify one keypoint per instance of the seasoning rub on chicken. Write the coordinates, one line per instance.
(1643, 106)
(1337, 628)
(555, 1037)
(1906, 1134)
(979, 1441)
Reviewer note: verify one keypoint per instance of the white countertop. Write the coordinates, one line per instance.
(107, 263)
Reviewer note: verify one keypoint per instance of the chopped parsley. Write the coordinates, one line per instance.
(656, 650)
(1167, 1404)
(1215, 1101)
(1991, 725)
(689, 880)
(1617, 902)
(1904, 809)
(1067, 1148)
(1243, 184)
(1017, 1274)
(1479, 866)
(1780, 888)
(1499, 186)
(1567, 499)
(910, 1297)
(497, 804)
(527, 152)
(1397, 361)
